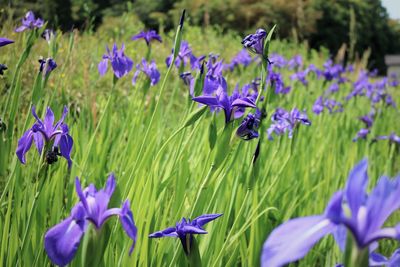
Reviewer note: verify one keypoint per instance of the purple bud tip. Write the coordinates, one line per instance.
(182, 19)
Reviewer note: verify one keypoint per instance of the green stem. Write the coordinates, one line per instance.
(98, 126)
(41, 179)
(139, 154)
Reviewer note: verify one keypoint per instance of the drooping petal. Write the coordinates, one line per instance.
(102, 67)
(382, 202)
(205, 218)
(62, 241)
(243, 102)
(39, 142)
(126, 218)
(355, 191)
(377, 260)
(340, 235)
(171, 232)
(207, 100)
(5, 41)
(66, 143)
(21, 28)
(134, 78)
(24, 144)
(395, 259)
(292, 240)
(390, 233)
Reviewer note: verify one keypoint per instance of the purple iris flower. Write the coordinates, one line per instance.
(214, 66)
(361, 214)
(295, 62)
(313, 68)
(196, 62)
(53, 137)
(120, 63)
(30, 22)
(392, 138)
(48, 34)
(332, 105)
(147, 36)
(394, 81)
(300, 76)
(150, 69)
(248, 129)
(350, 68)
(360, 86)
(376, 259)
(183, 57)
(367, 119)
(5, 41)
(333, 71)
(361, 134)
(284, 121)
(61, 242)
(188, 80)
(185, 230)
(228, 103)
(47, 65)
(318, 106)
(333, 88)
(2, 68)
(241, 58)
(276, 80)
(278, 60)
(255, 42)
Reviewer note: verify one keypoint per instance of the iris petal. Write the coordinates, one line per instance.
(292, 240)
(62, 241)
(356, 187)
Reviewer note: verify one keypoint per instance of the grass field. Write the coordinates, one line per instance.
(166, 171)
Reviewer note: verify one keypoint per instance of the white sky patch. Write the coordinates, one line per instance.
(393, 8)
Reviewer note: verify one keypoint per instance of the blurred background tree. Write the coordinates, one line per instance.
(357, 25)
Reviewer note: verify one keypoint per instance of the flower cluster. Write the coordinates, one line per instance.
(284, 121)
(329, 103)
(184, 56)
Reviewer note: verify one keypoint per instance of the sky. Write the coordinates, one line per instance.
(393, 8)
